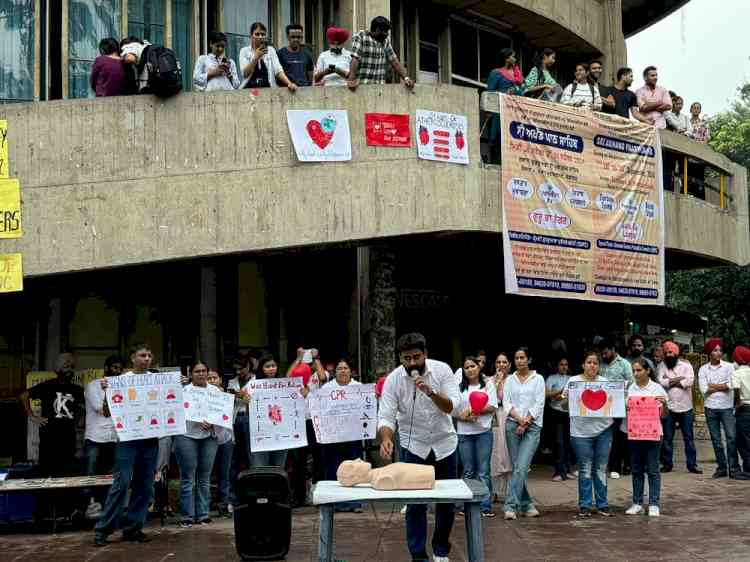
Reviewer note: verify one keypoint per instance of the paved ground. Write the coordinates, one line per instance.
(702, 519)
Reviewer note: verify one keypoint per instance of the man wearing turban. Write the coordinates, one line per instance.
(333, 65)
(741, 386)
(677, 377)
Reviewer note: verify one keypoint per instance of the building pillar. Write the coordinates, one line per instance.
(53, 336)
(355, 15)
(208, 326)
(379, 310)
(615, 51)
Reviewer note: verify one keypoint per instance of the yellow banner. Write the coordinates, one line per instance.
(11, 273)
(10, 209)
(81, 378)
(583, 208)
(3, 149)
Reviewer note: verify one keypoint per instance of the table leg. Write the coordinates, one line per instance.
(474, 535)
(325, 541)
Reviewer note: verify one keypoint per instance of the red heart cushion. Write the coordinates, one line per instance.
(478, 401)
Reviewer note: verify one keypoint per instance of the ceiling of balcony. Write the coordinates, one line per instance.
(637, 15)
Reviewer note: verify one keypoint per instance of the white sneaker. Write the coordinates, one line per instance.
(653, 511)
(94, 510)
(510, 515)
(532, 512)
(440, 559)
(634, 509)
(403, 510)
(614, 475)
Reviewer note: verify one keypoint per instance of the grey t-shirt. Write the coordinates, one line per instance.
(587, 427)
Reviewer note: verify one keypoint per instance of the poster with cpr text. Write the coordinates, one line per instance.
(344, 413)
(208, 404)
(320, 135)
(442, 136)
(277, 414)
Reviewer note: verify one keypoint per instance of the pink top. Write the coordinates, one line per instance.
(515, 76)
(660, 95)
(680, 397)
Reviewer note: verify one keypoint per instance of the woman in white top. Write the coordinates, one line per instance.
(500, 466)
(645, 454)
(260, 64)
(224, 454)
(475, 428)
(268, 368)
(523, 401)
(215, 71)
(582, 93)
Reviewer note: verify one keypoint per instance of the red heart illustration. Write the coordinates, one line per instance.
(187, 404)
(593, 399)
(224, 417)
(318, 135)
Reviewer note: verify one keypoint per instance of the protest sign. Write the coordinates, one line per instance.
(387, 129)
(442, 137)
(602, 399)
(320, 135)
(277, 414)
(11, 273)
(208, 404)
(146, 405)
(644, 418)
(4, 172)
(583, 206)
(344, 414)
(10, 209)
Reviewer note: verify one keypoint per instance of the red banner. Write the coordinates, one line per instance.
(387, 129)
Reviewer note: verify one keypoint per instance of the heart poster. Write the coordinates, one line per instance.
(601, 399)
(442, 137)
(320, 135)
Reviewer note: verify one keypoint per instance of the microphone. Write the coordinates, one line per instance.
(414, 374)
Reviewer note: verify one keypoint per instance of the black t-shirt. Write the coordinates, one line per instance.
(62, 404)
(296, 65)
(624, 100)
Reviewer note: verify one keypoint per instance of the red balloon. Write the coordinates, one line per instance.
(478, 401)
(379, 386)
(302, 370)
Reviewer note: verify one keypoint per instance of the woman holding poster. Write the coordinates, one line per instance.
(644, 450)
(268, 368)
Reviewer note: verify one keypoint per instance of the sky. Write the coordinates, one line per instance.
(701, 52)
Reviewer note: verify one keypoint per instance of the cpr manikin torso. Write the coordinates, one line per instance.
(396, 476)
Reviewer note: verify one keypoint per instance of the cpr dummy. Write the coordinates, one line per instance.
(396, 476)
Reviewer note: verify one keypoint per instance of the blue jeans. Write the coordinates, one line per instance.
(685, 419)
(135, 465)
(476, 453)
(644, 459)
(241, 453)
(416, 514)
(593, 457)
(269, 458)
(195, 459)
(100, 458)
(223, 475)
(715, 419)
(742, 417)
(521, 450)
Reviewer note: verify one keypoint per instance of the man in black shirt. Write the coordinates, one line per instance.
(297, 63)
(618, 99)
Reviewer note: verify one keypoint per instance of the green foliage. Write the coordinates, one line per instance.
(730, 130)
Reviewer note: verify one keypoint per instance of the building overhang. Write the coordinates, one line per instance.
(637, 15)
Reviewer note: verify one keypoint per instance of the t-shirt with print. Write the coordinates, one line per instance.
(624, 100)
(296, 65)
(62, 404)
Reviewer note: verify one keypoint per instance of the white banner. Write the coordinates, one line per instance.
(344, 414)
(320, 135)
(603, 399)
(208, 404)
(277, 414)
(146, 405)
(442, 136)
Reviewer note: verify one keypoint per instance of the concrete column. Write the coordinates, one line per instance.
(357, 14)
(380, 307)
(208, 334)
(615, 52)
(53, 337)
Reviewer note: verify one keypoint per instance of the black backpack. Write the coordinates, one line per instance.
(164, 71)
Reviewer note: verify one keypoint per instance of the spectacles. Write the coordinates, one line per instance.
(295, 37)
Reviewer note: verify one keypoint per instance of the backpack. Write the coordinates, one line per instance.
(164, 71)
(591, 87)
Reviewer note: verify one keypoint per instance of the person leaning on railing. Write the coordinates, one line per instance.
(372, 52)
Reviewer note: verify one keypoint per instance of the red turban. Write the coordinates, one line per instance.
(337, 34)
(302, 370)
(712, 344)
(671, 346)
(741, 355)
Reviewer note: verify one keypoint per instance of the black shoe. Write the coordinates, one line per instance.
(584, 514)
(626, 472)
(740, 476)
(695, 470)
(720, 474)
(101, 540)
(665, 469)
(138, 536)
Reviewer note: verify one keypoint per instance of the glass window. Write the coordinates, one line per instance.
(146, 20)
(239, 15)
(464, 59)
(90, 21)
(489, 52)
(17, 46)
(182, 30)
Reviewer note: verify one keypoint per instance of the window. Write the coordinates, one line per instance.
(17, 46)
(146, 20)
(239, 15)
(429, 48)
(90, 22)
(475, 51)
(182, 31)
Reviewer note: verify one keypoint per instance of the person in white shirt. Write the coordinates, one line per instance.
(131, 50)
(676, 121)
(523, 401)
(560, 421)
(715, 384)
(214, 71)
(332, 68)
(582, 93)
(259, 63)
(741, 386)
(644, 455)
(420, 395)
(474, 428)
(223, 461)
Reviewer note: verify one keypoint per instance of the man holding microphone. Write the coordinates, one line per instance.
(420, 395)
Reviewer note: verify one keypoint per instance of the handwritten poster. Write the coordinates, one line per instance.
(387, 129)
(344, 414)
(583, 205)
(10, 209)
(442, 137)
(11, 273)
(604, 399)
(146, 405)
(277, 414)
(644, 418)
(320, 135)
(208, 404)
(4, 171)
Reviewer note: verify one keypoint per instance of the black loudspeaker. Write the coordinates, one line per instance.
(263, 514)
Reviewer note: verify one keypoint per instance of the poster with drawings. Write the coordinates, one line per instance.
(277, 414)
(442, 137)
(208, 404)
(146, 405)
(600, 399)
(344, 414)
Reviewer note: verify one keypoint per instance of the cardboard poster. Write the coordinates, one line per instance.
(4, 167)
(277, 414)
(603, 399)
(146, 405)
(442, 137)
(583, 205)
(208, 404)
(11, 273)
(320, 135)
(10, 209)
(644, 418)
(344, 414)
(387, 129)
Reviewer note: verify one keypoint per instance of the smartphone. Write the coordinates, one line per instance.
(331, 68)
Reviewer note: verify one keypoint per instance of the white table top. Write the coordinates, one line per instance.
(330, 491)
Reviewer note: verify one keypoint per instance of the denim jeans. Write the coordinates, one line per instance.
(269, 458)
(195, 459)
(100, 458)
(135, 466)
(241, 452)
(593, 456)
(476, 454)
(521, 450)
(333, 455)
(559, 422)
(715, 419)
(223, 475)
(416, 514)
(685, 419)
(644, 459)
(742, 416)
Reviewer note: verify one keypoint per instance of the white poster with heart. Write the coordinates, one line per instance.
(600, 399)
(320, 135)
(442, 136)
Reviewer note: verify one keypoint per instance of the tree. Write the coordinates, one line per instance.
(730, 130)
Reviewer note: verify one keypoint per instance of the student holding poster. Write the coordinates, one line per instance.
(645, 453)
(268, 368)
